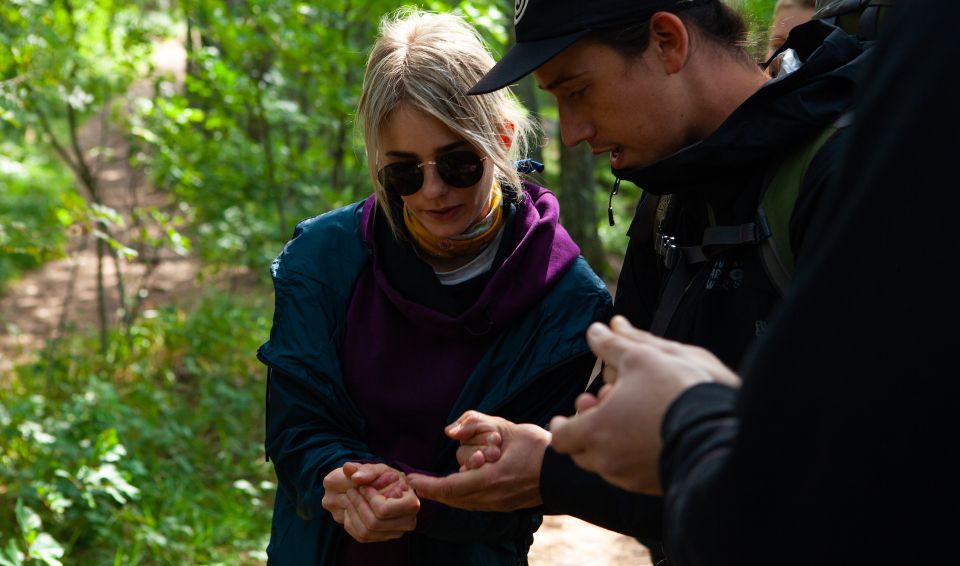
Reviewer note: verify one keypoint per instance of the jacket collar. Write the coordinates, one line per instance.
(785, 110)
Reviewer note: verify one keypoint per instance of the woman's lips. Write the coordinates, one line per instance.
(445, 213)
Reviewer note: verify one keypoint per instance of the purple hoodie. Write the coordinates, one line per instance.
(405, 364)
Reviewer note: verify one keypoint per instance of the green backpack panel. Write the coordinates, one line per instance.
(777, 204)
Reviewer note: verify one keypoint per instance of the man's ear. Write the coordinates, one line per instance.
(670, 41)
(507, 136)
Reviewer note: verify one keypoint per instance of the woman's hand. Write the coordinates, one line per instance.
(372, 501)
(480, 441)
(335, 487)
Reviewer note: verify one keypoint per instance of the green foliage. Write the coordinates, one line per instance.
(62, 60)
(35, 199)
(33, 544)
(758, 14)
(262, 134)
(152, 455)
(761, 10)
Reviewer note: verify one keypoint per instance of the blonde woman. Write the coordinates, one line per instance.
(452, 287)
(788, 14)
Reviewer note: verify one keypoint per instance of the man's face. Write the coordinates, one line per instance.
(629, 107)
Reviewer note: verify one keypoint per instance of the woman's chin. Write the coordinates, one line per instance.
(446, 231)
(445, 228)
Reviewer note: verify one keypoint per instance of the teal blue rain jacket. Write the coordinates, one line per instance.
(313, 426)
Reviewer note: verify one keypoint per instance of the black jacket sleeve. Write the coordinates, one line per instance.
(698, 432)
(567, 489)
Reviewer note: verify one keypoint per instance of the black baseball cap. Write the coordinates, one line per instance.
(547, 27)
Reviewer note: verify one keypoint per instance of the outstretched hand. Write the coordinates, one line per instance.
(617, 433)
(500, 465)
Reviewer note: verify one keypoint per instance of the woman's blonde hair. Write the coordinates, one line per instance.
(429, 61)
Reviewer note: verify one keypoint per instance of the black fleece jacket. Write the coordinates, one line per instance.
(724, 174)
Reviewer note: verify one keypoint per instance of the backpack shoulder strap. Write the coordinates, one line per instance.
(778, 201)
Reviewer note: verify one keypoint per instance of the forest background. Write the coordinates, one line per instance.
(131, 429)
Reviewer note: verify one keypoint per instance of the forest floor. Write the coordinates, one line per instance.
(61, 297)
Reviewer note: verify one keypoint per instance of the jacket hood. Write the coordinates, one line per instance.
(786, 109)
(542, 252)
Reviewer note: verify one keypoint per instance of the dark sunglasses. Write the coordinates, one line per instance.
(459, 169)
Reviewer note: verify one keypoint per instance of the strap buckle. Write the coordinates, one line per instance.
(666, 247)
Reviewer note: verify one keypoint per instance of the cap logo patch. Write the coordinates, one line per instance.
(521, 8)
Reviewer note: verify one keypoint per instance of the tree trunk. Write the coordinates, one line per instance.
(266, 142)
(526, 91)
(578, 207)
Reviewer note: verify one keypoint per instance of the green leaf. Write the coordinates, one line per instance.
(47, 550)
(106, 214)
(10, 555)
(108, 478)
(126, 251)
(28, 519)
(34, 431)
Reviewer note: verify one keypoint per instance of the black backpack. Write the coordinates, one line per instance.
(862, 18)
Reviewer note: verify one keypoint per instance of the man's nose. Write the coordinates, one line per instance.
(574, 128)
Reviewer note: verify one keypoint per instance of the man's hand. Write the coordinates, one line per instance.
(617, 433)
(499, 480)
(373, 502)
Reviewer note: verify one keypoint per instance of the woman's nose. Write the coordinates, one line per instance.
(433, 185)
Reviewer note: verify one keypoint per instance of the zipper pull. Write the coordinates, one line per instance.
(613, 192)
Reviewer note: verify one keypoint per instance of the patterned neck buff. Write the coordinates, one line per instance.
(471, 242)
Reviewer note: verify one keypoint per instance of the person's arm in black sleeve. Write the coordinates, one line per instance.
(567, 489)
(698, 432)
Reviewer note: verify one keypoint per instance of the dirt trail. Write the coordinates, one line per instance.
(566, 541)
(62, 297)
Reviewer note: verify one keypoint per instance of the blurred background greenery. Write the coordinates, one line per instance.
(135, 437)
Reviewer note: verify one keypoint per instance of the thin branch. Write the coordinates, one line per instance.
(102, 161)
(102, 297)
(52, 139)
(86, 176)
